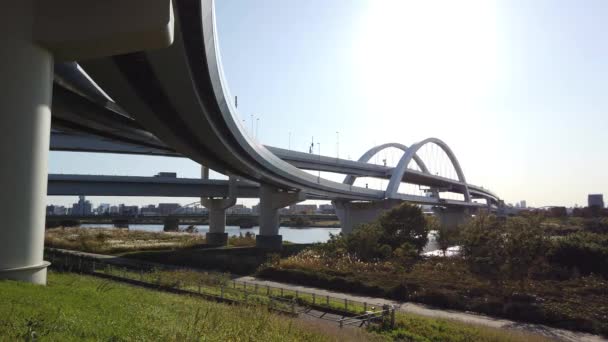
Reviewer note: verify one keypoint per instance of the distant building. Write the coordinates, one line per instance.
(327, 209)
(167, 208)
(128, 210)
(113, 210)
(238, 209)
(523, 204)
(82, 208)
(149, 210)
(303, 208)
(595, 200)
(166, 174)
(54, 210)
(103, 208)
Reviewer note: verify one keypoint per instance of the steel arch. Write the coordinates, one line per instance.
(410, 153)
(350, 179)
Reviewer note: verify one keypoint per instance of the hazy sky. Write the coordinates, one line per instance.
(516, 88)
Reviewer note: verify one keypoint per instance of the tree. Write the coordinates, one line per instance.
(401, 232)
(364, 242)
(404, 224)
(446, 237)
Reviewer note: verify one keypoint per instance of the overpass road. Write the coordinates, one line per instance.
(166, 95)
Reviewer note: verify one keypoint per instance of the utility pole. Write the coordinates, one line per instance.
(236, 101)
(337, 145)
(312, 145)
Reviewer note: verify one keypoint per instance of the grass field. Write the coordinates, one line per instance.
(115, 241)
(76, 308)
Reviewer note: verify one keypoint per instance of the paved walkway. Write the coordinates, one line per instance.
(418, 309)
(423, 310)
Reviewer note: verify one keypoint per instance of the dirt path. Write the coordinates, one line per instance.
(423, 310)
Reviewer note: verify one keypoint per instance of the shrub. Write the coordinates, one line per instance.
(509, 248)
(247, 240)
(404, 223)
(401, 233)
(581, 252)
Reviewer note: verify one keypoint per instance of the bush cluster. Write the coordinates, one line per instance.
(400, 233)
(520, 247)
(581, 253)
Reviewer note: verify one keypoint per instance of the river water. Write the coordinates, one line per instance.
(295, 235)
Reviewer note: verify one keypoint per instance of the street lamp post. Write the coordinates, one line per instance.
(337, 145)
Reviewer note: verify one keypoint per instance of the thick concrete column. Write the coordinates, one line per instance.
(217, 235)
(25, 119)
(452, 217)
(352, 214)
(31, 33)
(271, 200)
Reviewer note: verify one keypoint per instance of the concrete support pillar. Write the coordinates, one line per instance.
(25, 119)
(352, 214)
(32, 32)
(452, 217)
(217, 235)
(271, 200)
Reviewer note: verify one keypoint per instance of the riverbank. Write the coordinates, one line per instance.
(514, 268)
(406, 308)
(115, 240)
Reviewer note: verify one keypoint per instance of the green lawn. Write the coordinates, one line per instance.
(75, 308)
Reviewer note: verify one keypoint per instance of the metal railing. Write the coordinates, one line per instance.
(388, 311)
(216, 287)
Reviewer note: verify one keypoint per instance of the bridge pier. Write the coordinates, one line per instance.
(352, 214)
(217, 235)
(271, 200)
(25, 116)
(452, 217)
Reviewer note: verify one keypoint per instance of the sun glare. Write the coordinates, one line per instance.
(428, 55)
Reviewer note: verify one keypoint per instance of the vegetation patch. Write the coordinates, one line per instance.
(515, 268)
(420, 329)
(115, 240)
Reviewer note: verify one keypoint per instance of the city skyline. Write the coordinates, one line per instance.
(336, 68)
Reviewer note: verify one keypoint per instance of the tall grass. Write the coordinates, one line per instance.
(113, 240)
(242, 240)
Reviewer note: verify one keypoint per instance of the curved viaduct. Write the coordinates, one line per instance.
(167, 96)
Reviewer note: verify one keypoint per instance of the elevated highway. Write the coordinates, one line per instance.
(167, 96)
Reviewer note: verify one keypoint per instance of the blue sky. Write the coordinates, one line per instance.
(516, 88)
